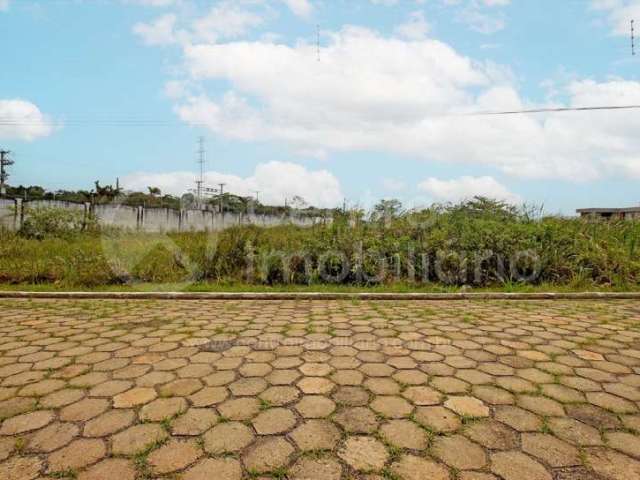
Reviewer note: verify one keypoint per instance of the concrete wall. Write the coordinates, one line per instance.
(150, 219)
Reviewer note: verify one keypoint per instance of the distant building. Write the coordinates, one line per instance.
(631, 213)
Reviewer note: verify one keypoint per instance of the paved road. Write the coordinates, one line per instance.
(326, 390)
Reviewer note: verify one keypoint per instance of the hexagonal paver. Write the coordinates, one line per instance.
(26, 422)
(357, 420)
(392, 407)
(422, 396)
(21, 468)
(134, 397)
(319, 390)
(438, 419)
(279, 396)
(550, 450)
(459, 453)
(624, 442)
(611, 464)
(77, 454)
(316, 469)
(224, 468)
(575, 432)
(137, 438)
(239, 409)
(316, 385)
(404, 434)
(315, 406)
(108, 423)
(518, 419)
(316, 435)
(174, 455)
(52, 437)
(227, 438)
(194, 421)
(108, 469)
(364, 454)
(248, 387)
(410, 467)
(274, 420)
(493, 435)
(162, 408)
(516, 466)
(467, 406)
(268, 455)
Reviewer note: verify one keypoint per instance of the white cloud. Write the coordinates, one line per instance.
(464, 188)
(275, 181)
(175, 89)
(479, 21)
(416, 27)
(407, 99)
(225, 20)
(496, 3)
(620, 13)
(301, 8)
(153, 3)
(158, 32)
(4, 5)
(22, 120)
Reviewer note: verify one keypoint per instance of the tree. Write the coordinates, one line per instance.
(386, 209)
(154, 191)
(108, 192)
(298, 202)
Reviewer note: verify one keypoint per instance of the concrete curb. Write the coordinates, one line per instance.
(316, 296)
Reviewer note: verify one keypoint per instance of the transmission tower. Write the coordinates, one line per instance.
(5, 162)
(201, 161)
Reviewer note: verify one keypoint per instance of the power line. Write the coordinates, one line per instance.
(556, 110)
(123, 122)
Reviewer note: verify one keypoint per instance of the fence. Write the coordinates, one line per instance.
(150, 219)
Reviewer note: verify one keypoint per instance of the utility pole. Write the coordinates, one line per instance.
(201, 162)
(5, 161)
(257, 192)
(221, 185)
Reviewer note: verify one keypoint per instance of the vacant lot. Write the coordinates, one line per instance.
(227, 390)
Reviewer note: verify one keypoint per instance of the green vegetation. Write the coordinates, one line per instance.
(479, 244)
(154, 197)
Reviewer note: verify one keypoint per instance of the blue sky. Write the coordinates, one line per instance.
(99, 89)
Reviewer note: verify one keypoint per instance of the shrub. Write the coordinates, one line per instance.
(43, 222)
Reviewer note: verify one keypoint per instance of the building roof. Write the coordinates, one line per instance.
(609, 210)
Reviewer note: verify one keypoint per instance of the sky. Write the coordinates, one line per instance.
(386, 107)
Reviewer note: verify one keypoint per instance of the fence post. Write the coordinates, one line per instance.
(87, 215)
(140, 218)
(19, 215)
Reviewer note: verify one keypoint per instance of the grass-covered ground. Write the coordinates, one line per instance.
(478, 245)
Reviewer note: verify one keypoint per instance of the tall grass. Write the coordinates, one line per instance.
(457, 245)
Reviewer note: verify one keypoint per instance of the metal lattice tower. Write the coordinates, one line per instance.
(5, 161)
(201, 161)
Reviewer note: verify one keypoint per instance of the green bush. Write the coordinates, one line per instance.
(43, 222)
(444, 244)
